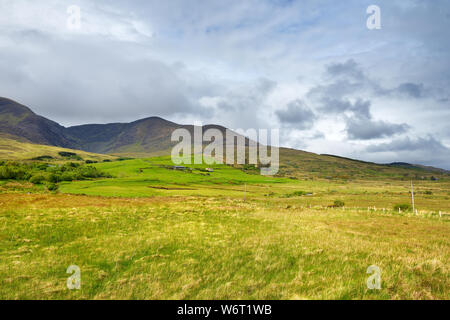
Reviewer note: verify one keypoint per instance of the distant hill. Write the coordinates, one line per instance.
(152, 136)
(146, 136)
(19, 122)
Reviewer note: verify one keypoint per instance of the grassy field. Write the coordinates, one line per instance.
(152, 232)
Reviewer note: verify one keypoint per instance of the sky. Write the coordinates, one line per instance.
(311, 68)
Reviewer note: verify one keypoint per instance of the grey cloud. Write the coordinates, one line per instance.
(348, 69)
(427, 151)
(97, 82)
(297, 114)
(361, 108)
(366, 129)
(407, 144)
(411, 89)
(337, 90)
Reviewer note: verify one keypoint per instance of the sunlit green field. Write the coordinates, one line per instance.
(152, 232)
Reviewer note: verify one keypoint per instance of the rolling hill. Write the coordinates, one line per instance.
(17, 150)
(152, 136)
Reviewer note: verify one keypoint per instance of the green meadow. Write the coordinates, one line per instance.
(151, 232)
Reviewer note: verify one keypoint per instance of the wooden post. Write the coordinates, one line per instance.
(412, 195)
(440, 214)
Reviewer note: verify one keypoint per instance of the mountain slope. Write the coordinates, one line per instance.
(20, 122)
(16, 150)
(146, 135)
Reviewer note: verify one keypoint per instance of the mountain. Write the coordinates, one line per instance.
(152, 136)
(19, 122)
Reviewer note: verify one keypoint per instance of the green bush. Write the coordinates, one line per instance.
(338, 203)
(68, 176)
(54, 178)
(52, 187)
(71, 155)
(10, 171)
(403, 207)
(37, 178)
(38, 172)
(296, 194)
(42, 158)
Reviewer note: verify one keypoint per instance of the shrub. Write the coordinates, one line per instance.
(106, 160)
(38, 172)
(402, 207)
(52, 187)
(296, 194)
(70, 155)
(37, 178)
(90, 161)
(338, 203)
(66, 154)
(54, 178)
(14, 172)
(42, 158)
(68, 176)
(428, 192)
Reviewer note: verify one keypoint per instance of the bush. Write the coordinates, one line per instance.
(42, 158)
(90, 161)
(67, 154)
(37, 178)
(68, 176)
(402, 207)
(428, 192)
(338, 204)
(54, 178)
(71, 155)
(52, 187)
(36, 173)
(295, 194)
(14, 172)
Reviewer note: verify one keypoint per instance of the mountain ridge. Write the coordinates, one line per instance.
(150, 135)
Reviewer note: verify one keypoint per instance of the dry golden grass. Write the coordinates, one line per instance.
(215, 248)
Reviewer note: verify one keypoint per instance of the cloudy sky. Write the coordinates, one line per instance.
(311, 68)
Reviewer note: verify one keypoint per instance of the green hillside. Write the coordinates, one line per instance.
(16, 150)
